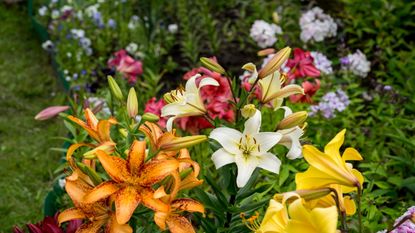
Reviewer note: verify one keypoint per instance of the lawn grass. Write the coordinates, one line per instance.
(27, 84)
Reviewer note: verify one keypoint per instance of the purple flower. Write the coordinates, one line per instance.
(408, 226)
(387, 88)
(344, 61)
(112, 23)
(330, 103)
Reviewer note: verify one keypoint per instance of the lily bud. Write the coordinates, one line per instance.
(293, 120)
(177, 143)
(50, 112)
(132, 103)
(148, 116)
(107, 147)
(93, 175)
(123, 132)
(115, 89)
(248, 110)
(275, 63)
(275, 17)
(265, 52)
(212, 65)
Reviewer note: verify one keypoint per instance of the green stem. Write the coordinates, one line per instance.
(359, 207)
(228, 77)
(229, 214)
(343, 226)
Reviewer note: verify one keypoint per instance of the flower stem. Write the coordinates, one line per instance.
(229, 214)
(343, 226)
(228, 77)
(359, 206)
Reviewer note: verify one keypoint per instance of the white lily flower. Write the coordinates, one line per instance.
(291, 138)
(272, 90)
(187, 102)
(248, 149)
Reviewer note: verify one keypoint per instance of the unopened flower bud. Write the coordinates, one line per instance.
(275, 62)
(266, 52)
(212, 65)
(178, 143)
(307, 195)
(293, 120)
(148, 116)
(93, 175)
(123, 132)
(115, 89)
(248, 110)
(275, 17)
(50, 112)
(132, 103)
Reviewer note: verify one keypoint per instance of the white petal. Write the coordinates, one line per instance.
(267, 140)
(169, 123)
(246, 167)
(221, 158)
(228, 138)
(208, 81)
(253, 124)
(270, 163)
(191, 84)
(291, 140)
(182, 110)
(287, 110)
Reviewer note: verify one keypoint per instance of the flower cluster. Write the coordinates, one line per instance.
(316, 26)
(84, 42)
(408, 225)
(322, 62)
(264, 34)
(357, 63)
(330, 103)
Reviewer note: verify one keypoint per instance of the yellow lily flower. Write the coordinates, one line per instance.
(187, 102)
(98, 215)
(297, 218)
(132, 181)
(329, 168)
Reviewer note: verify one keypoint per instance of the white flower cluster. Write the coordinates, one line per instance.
(264, 33)
(357, 63)
(322, 62)
(316, 26)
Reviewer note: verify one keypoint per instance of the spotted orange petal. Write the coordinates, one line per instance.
(77, 190)
(103, 129)
(160, 219)
(148, 200)
(179, 224)
(126, 201)
(136, 156)
(91, 120)
(70, 214)
(155, 171)
(114, 166)
(114, 227)
(91, 227)
(102, 191)
(85, 126)
(187, 204)
(152, 132)
(72, 150)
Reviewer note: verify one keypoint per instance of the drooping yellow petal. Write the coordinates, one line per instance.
(126, 201)
(275, 219)
(102, 191)
(351, 154)
(155, 171)
(332, 148)
(136, 156)
(188, 204)
(349, 205)
(179, 224)
(70, 214)
(114, 166)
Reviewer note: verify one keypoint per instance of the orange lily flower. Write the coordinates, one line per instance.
(171, 218)
(98, 130)
(132, 181)
(98, 214)
(168, 141)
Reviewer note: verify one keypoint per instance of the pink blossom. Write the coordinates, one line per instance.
(50, 112)
(126, 65)
(302, 65)
(309, 90)
(154, 106)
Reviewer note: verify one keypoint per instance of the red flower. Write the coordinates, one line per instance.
(301, 65)
(154, 106)
(126, 65)
(50, 225)
(309, 90)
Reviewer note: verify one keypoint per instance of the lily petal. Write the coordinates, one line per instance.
(126, 201)
(351, 154)
(221, 158)
(228, 138)
(152, 203)
(91, 227)
(114, 227)
(70, 214)
(114, 166)
(208, 82)
(102, 191)
(179, 224)
(269, 162)
(246, 167)
(136, 156)
(155, 171)
(267, 140)
(188, 204)
(253, 124)
(191, 84)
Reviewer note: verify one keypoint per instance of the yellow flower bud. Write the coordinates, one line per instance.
(177, 143)
(265, 52)
(115, 89)
(148, 116)
(123, 132)
(275, 17)
(293, 120)
(248, 110)
(275, 63)
(132, 103)
(212, 65)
